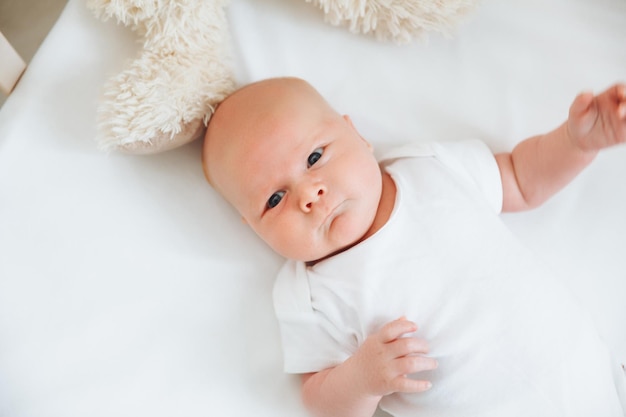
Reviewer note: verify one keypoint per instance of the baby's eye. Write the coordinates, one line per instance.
(275, 199)
(314, 157)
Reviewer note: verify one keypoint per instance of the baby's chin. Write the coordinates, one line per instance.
(344, 231)
(346, 235)
(330, 255)
(333, 252)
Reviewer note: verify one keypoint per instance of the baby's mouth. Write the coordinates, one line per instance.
(331, 216)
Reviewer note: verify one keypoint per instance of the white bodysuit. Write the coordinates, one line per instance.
(509, 339)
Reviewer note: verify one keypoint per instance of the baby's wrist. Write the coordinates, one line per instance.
(574, 141)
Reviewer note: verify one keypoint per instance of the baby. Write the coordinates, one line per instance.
(374, 247)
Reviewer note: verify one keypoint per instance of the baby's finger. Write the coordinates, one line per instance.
(393, 330)
(581, 104)
(621, 111)
(615, 122)
(406, 384)
(618, 92)
(414, 364)
(617, 95)
(409, 346)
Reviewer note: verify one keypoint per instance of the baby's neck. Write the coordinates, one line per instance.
(385, 205)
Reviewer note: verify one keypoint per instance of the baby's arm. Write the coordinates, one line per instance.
(540, 166)
(379, 367)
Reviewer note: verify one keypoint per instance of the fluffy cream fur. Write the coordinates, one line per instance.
(166, 96)
(397, 20)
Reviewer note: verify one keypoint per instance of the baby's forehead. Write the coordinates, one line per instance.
(260, 115)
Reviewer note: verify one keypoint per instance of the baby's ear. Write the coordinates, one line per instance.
(349, 120)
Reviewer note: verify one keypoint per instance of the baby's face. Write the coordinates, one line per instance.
(298, 172)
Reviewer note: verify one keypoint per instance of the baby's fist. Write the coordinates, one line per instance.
(597, 122)
(387, 357)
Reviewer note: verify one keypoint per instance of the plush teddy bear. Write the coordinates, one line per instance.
(397, 20)
(166, 96)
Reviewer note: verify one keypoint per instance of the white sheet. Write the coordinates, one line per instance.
(128, 287)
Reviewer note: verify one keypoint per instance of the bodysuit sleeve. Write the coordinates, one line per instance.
(474, 163)
(310, 342)
(470, 160)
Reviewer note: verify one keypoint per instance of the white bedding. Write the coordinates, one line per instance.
(128, 287)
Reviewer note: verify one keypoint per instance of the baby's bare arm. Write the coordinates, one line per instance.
(378, 368)
(540, 166)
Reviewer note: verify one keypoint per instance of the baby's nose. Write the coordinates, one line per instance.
(311, 194)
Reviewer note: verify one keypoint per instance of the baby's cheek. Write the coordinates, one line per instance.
(291, 242)
(346, 230)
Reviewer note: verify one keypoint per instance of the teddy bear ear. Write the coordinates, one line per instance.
(400, 21)
(126, 12)
(164, 98)
(151, 108)
(164, 142)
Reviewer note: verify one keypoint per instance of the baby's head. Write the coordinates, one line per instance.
(297, 171)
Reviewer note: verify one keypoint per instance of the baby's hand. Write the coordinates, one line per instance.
(386, 358)
(596, 122)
